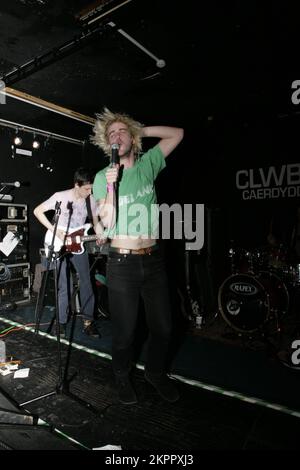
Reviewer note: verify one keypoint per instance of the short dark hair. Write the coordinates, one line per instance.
(83, 176)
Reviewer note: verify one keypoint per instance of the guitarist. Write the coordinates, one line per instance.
(74, 212)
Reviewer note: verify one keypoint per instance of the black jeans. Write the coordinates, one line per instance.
(128, 278)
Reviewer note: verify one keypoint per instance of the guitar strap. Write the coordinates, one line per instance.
(89, 210)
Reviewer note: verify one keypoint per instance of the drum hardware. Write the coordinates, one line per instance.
(192, 303)
(291, 274)
(259, 259)
(277, 257)
(240, 260)
(247, 261)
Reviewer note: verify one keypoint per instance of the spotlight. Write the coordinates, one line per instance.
(18, 140)
(35, 143)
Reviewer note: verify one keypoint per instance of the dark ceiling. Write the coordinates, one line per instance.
(107, 69)
(217, 57)
(212, 52)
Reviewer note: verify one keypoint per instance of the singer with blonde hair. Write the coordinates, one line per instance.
(125, 194)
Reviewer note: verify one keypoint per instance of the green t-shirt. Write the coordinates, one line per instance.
(137, 204)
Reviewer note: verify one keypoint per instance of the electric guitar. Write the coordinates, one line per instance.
(73, 242)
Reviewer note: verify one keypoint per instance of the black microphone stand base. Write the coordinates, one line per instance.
(63, 389)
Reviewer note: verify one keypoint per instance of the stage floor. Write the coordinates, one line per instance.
(215, 411)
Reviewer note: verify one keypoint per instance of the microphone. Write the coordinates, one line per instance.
(115, 155)
(16, 184)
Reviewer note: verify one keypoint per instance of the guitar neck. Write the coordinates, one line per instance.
(89, 238)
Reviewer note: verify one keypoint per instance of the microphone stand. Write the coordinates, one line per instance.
(62, 385)
(50, 260)
(52, 257)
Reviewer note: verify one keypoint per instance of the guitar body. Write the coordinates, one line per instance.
(73, 241)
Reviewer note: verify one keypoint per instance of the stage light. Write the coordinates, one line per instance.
(36, 144)
(18, 140)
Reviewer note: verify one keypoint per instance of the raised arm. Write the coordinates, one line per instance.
(169, 137)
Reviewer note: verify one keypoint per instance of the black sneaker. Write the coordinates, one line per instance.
(90, 329)
(163, 386)
(126, 393)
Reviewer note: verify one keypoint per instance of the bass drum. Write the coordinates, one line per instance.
(246, 302)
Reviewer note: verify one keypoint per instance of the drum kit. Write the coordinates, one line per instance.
(258, 289)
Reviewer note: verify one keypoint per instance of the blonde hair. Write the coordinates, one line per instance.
(105, 120)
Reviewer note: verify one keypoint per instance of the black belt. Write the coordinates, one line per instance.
(140, 251)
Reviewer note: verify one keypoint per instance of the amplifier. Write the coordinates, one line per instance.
(13, 212)
(15, 283)
(20, 252)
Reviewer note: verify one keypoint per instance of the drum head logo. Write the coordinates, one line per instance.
(243, 288)
(233, 307)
